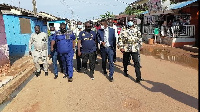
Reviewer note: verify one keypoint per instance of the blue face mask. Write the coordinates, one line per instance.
(130, 23)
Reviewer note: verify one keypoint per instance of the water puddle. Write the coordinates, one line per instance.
(14, 94)
(165, 54)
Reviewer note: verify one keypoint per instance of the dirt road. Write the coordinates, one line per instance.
(168, 87)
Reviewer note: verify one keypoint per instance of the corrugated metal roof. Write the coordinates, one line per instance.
(176, 6)
(20, 11)
(181, 4)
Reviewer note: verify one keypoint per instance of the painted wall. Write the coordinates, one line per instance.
(17, 42)
(4, 53)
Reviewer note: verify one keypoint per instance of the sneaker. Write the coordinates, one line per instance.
(46, 73)
(70, 79)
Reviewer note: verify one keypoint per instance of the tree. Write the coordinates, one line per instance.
(107, 15)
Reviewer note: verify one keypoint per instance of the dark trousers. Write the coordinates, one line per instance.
(78, 61)
(114, 56)
(134, 55)
(91, 57)
(107, 53)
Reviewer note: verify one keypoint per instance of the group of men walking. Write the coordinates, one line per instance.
(61, 45)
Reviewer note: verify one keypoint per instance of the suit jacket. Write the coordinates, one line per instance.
(111, 37)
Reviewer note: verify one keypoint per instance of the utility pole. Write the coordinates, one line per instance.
(34, 7)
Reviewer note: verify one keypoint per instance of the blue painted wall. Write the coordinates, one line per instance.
(17, 42)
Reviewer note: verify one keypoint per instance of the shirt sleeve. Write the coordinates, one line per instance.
(54, 37)
(80, 36)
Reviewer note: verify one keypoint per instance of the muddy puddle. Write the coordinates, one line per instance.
(166, 54)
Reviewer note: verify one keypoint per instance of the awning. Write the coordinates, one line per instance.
(181, 4)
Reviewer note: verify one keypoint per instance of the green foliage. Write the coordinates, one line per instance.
(107, 15)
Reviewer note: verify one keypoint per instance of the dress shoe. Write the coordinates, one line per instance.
(139, 79)
(78, 70)
(70, 79)
(46, 73)
(111, 79)
(56, 76)
(85, 71)
(37, 74)
(126, 74)
(92, 75)
(66, 76)
(104, 72)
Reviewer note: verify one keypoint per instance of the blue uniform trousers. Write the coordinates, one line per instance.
(67, 60)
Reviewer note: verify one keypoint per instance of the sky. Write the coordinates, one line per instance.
(82, 9)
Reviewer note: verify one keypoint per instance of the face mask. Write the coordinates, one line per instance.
(130, 23)
(88, 28)
(63, 30)
(102, 27)
(80, 26)
(52, 32)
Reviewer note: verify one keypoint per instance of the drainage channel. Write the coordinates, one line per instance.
(15, 93)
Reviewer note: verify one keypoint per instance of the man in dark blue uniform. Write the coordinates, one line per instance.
(64, 41)
(54, 54)
(106, 38)
(87, 39)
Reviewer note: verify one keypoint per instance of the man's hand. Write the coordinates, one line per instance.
(79, 53)
(103, 43)
(122, 50)
(30, 53)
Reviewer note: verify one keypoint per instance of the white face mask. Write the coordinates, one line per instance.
(102, 27)
(52, 32)
(80, 26)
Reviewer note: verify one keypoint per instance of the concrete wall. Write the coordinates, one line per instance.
(17, 42)
(4, 53)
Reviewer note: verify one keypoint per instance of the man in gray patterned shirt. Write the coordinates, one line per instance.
(129, 41)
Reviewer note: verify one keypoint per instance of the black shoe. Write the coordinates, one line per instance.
(78, 70)
(114, 60)
(104, 72)
(70, 79)
(139, 79)
(56, 76)
(46, 73)
(85, 71)
(92, 75)
(125, 74)
(111, 79)
(37, 74)
(66, 76)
